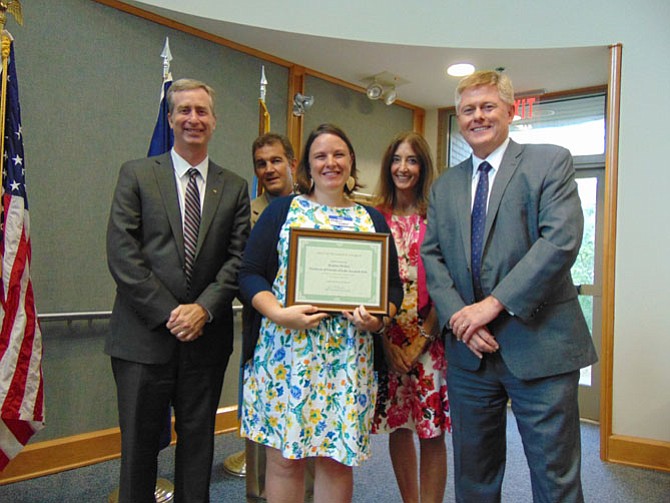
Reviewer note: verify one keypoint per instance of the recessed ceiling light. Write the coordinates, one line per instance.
(460, 69)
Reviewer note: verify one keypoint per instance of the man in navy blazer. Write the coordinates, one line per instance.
(171, 330)
(520, 334)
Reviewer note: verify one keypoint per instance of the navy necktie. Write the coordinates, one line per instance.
(478, 224)
(191, 222)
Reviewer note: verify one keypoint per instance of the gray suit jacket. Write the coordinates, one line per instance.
(145, 253)
(533, 232)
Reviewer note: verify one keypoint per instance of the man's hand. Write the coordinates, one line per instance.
(187, 321)
(470, 322)
(482, 341)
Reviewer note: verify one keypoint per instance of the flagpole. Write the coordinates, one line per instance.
(167, 57)
(6, 46)
(264, 115)
(263, 125)
(14, 8)
(236, 463)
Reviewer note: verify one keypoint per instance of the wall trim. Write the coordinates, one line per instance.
(418, 112)
(68, 453)
(176, 25)
(55, 456)
(609, 250)
(639, 452)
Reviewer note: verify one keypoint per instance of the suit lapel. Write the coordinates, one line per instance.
(164, 173)
(508, 166)
(463, 201)
(214, 191)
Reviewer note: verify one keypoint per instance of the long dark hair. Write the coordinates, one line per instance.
(386, 195)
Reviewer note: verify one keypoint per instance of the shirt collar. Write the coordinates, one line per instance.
(181, 166)
(494, 158)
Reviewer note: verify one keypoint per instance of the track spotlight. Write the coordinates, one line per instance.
(383, 86)
(390, 96)
(301, 104)
(374, 90)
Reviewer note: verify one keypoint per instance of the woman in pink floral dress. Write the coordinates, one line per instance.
(412, 394)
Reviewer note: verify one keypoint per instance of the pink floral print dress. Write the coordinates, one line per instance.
(417, 400)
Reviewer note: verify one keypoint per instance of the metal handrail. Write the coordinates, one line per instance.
(84, 315)
(93, 315)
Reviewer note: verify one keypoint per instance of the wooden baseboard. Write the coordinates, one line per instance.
(639, 452)
(54, 456)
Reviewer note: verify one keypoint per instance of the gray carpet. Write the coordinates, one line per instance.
(374, 481)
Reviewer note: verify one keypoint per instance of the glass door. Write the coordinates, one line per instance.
(587, 275)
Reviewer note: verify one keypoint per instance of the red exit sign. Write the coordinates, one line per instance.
(524, 107)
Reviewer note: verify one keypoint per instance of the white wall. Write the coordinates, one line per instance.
(642, 339)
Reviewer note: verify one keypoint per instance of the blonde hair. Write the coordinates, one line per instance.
(487, 78)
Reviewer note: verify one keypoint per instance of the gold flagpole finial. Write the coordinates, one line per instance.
(14, 8)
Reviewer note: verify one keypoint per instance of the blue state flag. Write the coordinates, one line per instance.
(163, 138)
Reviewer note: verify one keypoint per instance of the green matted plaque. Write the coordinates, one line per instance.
(338, 270)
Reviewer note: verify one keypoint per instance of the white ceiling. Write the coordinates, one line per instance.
(423, 68)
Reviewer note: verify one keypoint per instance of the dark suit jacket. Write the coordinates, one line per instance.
(145, 253)
(533, 233)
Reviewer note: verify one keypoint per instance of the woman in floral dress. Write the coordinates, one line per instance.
(309, 383)
(412, 395)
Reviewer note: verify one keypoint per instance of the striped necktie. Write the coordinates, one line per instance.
(191, 222)
(478, 225)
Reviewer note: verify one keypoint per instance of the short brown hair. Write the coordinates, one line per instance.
(303, 177)
(187, 85)
(272, 139)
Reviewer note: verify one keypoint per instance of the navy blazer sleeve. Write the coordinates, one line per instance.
(261, 262)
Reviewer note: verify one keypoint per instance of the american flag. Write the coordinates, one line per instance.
(21, 385)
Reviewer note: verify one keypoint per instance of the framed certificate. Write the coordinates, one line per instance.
(338, 270)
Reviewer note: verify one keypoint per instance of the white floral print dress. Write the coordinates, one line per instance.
(312, 392)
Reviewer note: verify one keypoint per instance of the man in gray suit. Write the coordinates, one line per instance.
(498, 267)
(175, 237)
